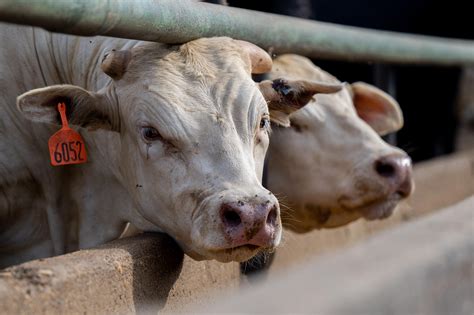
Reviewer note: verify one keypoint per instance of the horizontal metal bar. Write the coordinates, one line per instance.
(177, 21)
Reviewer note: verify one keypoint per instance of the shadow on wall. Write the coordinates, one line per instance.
(155, 273)
(131, 275)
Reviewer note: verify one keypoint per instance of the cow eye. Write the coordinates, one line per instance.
(264, 123)
(150, 134)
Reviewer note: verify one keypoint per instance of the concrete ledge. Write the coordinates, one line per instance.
(122, 277)
(423, 267)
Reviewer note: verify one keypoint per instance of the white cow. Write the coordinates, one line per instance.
(331, 167)
(176, 137)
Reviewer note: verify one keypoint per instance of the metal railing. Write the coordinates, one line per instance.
(177, 21)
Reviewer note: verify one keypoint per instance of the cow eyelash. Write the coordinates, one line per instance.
(150, 134)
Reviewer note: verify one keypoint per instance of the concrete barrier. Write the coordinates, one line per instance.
(424, 267)
(122, 277)
(439, 183)
(140, 274)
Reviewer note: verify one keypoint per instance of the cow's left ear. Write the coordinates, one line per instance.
(377, 108)
(284, 96)
(83, 108)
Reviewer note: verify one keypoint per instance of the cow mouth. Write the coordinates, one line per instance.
(381, 209)
(372, 207)
(249, 247)
(237, 253)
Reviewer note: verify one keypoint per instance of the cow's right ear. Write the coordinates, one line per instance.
(83, 108)
(284, 97)
(377, 108)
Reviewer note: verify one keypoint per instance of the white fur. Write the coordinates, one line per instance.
(322, 167)
(199, 96)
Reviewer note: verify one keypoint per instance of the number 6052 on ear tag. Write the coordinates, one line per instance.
(66, 146)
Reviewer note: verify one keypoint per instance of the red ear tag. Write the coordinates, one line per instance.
(66, 146)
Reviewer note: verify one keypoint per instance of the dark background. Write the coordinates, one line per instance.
(427, 94)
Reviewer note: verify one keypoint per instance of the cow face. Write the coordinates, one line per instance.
(331, 165)
(188, 134)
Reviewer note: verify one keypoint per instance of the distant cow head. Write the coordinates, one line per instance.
(331, 167)
(188, 134)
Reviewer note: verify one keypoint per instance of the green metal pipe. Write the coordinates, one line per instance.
(177, 21)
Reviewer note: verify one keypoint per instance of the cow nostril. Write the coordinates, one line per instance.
(231, 218)
(402, 193)
(405, 189)
(385, 169)
(272, 217)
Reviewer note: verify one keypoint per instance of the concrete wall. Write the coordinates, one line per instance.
(141, 273)
(121, 277)
(423, 267)
(439, 183)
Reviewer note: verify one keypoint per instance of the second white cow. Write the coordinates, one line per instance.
(332, 167)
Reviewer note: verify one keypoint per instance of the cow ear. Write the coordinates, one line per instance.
(83, 108)
(284, 96)
(377, 108)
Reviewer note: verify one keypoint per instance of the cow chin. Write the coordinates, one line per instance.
(312, 216)
(374, 204)
(238, 254)
(379, 210)
(225, 255)
(215, 247)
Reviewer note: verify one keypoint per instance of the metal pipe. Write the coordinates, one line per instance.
(177, 21)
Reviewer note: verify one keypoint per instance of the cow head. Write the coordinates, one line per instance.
(331, 165)
(187, 131)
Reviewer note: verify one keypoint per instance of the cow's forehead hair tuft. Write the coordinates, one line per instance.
(212, 57)
(205, 59)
